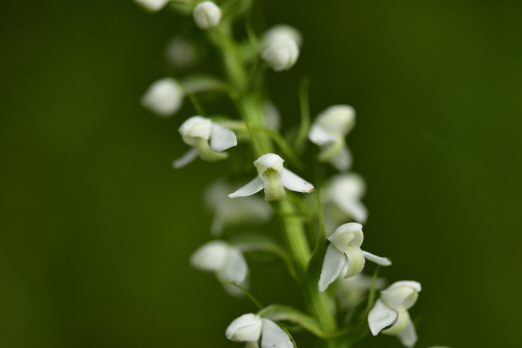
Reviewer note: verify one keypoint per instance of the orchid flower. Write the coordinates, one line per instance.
(342, 200)
(251, 210)
(392, 309)
(280, 47)
(196, 132)
(344, 255)
(252, 328)
(273, 178)
(164, 97)
(152, 5)
(328, 131)
(225, 260)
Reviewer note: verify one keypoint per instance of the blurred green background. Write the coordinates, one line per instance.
(97, 228)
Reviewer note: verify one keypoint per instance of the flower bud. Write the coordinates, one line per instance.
(282, 32)
(207, 15)
(152, 5)
(281, 54)
(164, 97)
(211, 256)
(246, 328)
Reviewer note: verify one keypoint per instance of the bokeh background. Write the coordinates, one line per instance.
(97, 228)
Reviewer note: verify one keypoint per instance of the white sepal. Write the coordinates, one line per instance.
(207, 15)
(408, 336)
(246, 328)
(235, 268)
(333, 265)
(401, 294)
(273, 336)
(295, 183)
(383, 261)
(281, 54)
(152, 5)
(222, 138)
(188, 157)
(380, 317)
(164, 97)
(249, 189)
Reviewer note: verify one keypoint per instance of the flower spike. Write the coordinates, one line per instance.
(273, 178)
(344, 255)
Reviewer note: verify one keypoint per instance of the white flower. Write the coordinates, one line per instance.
(273, 177)
(344, 255)
(328, 131)
(351, 291)
(196, 132)
(281, 32)
(251, 210)
(342, 200)
(152, 5)
(164, 97)
(251, 328)
(180, 53)
(207, 15)
(392, 309)
(226, 261)
(281, 54)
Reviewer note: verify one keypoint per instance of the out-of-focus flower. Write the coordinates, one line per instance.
(272, 116)
(250, 210)
(252, 328)
(392, 309)
(351, 291)
(280, 47)
(207, 15)
(342, 201)
(164, 97)
(181, 53)
(225, 261)
(197, 131)
(152, 5)
(273, 178)
(344, 255)
(328, 131)
(281, 32)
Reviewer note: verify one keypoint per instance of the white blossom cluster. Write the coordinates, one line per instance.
(234, 205)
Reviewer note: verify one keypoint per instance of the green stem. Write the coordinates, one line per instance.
(250, 106)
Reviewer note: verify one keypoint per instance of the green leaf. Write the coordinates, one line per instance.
(316, 261)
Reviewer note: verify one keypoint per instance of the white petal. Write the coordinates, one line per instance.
(274, 337)
(246, 328)
(347, 235)
(355, 261)
(383, 261)
(295, 183)
(222, 138)
(269, 161)
(211, 256)
(235, 268)
(342, 161)
(333, 264)
(249, 189)
(196, 127)
(401, 294)
(380, 317)
(188, 157)
(319, 136)
(408, 336)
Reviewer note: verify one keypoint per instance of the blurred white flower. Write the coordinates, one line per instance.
(227, 212)
(329, 130)
(392, 309)
(225, 261)
(207, 15)
(197, 131)
(342, 200)
(281, 32)
(344, 255)
(152, 5)
(164, 97)
(251, 328)
(273, 178)
(281, 54)
(351, 291)
(180, 53)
